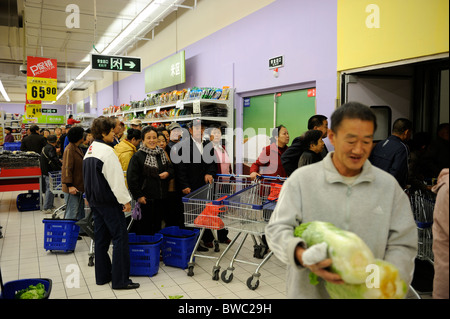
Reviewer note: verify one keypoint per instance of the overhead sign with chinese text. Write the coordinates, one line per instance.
(115, 63)
(277, 62)
(42, 78)
(167, 73)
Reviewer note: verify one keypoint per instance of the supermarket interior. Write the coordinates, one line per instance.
(256, 76)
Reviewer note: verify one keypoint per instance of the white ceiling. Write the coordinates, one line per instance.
(46, 34)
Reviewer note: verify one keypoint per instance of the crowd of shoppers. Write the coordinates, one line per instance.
(156, 167)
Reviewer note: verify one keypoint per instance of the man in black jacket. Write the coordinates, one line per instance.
(34, 142)
(290, 157)
(392, 154)
(49, 162)
(195, 165)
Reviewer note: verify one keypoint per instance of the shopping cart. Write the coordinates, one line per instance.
(55, 187)
(248, 213)
(203, 207)
(422, 205)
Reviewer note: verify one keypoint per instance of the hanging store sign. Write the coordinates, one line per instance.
(33, 109)
(277, 62)
(42, 78)
(115, 63)
(167, 73)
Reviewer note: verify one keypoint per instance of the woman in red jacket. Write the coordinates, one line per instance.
(71, 120)
(269, 161)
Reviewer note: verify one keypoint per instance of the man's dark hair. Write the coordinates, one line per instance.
(310, 137)
(133, 133)
(51, 139)
(401, 125)
(34, 128)
(75, 134)
(102, 125)
(316, 121)
(352, 110)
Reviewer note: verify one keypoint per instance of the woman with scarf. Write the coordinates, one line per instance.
(148, 176)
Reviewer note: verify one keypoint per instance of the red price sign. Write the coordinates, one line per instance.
(41, 78)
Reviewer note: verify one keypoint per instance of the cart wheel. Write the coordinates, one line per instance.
(216, 246)
(251, 283)
(191, 271)
(225, 278)
(256, 251)
(215, 275)
(91, 261)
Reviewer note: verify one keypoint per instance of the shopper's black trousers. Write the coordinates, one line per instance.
(110, 225)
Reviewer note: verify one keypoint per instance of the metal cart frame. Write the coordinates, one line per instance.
(249, 212)
(203, 206)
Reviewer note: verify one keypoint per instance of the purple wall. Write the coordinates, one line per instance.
(304, 31)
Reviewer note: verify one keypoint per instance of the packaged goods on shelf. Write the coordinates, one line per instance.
(18, 159)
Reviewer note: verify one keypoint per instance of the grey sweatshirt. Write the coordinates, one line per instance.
(374, 207)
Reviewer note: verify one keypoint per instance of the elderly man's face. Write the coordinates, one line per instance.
(352, 145)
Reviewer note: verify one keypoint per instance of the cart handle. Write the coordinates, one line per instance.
(278, 177)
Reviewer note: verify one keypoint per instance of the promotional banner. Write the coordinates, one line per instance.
(41, 78)
(33, 109)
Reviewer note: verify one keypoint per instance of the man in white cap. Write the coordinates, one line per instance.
(136, 124)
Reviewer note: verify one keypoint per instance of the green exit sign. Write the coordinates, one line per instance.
(115, 63)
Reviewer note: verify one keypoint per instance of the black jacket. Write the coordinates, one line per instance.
(142, 183)
(191, 166)
(49, 160)
(34, 142)
(291, 157)
(391, 155)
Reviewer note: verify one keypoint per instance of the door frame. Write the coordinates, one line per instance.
(239, 114)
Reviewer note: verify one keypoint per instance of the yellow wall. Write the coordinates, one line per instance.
(407, 29)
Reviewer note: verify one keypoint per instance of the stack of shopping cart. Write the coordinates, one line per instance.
(422, 205)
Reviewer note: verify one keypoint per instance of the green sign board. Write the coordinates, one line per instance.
(47, 119)
(167, 73)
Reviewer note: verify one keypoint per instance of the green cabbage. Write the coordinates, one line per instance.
(390, 286)
(349, 254)
(32, 292)
(365, 277)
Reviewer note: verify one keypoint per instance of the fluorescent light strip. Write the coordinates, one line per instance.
(68, 86)
(5, 95)
(144, 14)
(88, 68)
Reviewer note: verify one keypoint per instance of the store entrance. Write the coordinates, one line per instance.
(262, 113)
(417, 91)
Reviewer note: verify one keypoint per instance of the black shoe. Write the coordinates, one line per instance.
(132, 285)
(201, 248)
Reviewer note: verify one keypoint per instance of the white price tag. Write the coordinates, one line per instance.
(158, 109)
(196, 107)
(180, 105)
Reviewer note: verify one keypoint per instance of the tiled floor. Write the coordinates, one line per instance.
(22, 255)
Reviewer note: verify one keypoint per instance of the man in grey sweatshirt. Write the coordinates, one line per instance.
(347, 191)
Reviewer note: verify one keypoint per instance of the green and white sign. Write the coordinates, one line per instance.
(46, 119)
(115, 63)
(167, 73)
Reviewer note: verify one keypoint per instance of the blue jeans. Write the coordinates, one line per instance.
(74, 206)
(49, 196)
